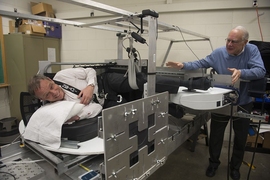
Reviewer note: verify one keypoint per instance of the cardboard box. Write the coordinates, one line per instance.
(47, 14)
(30, 21)
(32, 30)
(11, 26)
(53, 29)
(33, 27)
(252, 139)
(42, 9)
(266, 141)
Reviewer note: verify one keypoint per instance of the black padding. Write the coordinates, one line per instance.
(257, 88)
(164, 83)
(264, 48)
(50, 75)
(81, 130)
(28, 105)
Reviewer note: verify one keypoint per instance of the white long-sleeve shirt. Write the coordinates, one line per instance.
(80, 78)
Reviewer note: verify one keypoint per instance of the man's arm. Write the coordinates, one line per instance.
(86, 94)
(81, 78)
(90, 111)
(256, 69)
(177, 65)
(236, 74)
(74, 118)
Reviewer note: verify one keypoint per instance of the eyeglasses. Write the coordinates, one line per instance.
(232, 41)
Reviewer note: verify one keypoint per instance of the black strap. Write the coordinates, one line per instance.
(104, 91)
(73, 89)
(68, 87)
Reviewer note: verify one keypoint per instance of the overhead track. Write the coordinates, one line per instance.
(99, 6)
(118, 22)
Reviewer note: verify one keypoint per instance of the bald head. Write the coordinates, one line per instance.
(243, 31)
(236, 40)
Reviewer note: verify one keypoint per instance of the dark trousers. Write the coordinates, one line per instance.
(217, 129)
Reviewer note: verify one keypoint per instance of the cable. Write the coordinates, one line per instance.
(1, 172)
(186, 42)
(256, 141)
(18, 161)
(85, 168)
(188, 45)
(140, 60)
(123, 43)
(259, 24)
(230, 133)
(230, 137)
(254, 152)
(133, 51)
(21, 162)
(13, 141)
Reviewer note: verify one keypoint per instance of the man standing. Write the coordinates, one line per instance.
(241, 60)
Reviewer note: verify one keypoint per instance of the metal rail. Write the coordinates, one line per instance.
(125, 16)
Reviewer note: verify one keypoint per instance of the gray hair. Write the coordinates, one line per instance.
(245, 32)
(34, 83)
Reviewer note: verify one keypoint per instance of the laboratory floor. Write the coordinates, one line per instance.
(183, 164)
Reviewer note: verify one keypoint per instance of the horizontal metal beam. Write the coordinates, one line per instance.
(109, 21)
(99, 6)
(166, 27)
(40, 18)
(178, 40)
(117, 11)
(126, 17)
(107, 28)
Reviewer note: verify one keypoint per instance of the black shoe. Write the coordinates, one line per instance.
(235, 174)
(211, 171)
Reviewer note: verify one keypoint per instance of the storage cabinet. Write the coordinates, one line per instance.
(23, 53)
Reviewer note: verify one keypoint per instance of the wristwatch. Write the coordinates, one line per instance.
(93, 85)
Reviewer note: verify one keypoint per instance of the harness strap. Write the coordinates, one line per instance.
(132, 73)
(104, 91)
(74, 90)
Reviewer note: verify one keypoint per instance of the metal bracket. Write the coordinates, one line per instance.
(135, 135)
